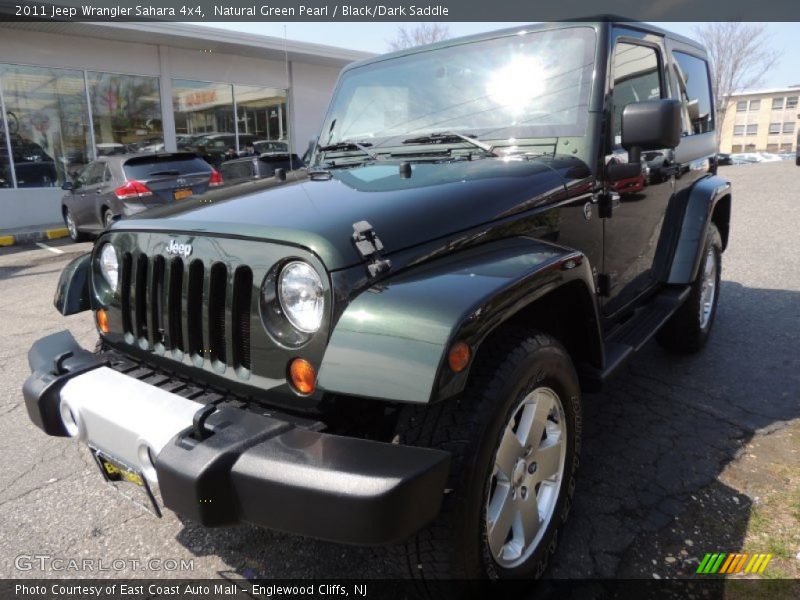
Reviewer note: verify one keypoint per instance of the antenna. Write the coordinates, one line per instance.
(288, 90)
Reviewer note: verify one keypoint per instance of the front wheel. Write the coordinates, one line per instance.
(515, 440)
(72, 227)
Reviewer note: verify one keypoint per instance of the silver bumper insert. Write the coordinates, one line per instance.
(124, 417)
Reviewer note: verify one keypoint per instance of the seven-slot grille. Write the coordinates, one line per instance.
(177, 304)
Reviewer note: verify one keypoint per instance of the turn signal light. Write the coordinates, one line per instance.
(102, 320)
(302, 376)
(216, 179)
(458, 357)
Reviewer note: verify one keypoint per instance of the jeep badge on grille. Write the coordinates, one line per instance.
(177, 249)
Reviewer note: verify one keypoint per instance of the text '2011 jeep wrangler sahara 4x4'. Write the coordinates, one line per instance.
(391, 346)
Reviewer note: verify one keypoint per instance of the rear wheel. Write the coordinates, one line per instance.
(515, 439)
(72, 227)
(688, 329)
(108, 218)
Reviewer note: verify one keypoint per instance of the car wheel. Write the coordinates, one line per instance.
(688, 329)
(514, 436)
(72, 227)
(108, 218)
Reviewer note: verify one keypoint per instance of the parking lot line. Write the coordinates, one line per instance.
(50, 248)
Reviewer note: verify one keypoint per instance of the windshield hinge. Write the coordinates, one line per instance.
(369, 246)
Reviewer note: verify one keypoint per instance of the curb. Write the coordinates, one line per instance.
(30, 237)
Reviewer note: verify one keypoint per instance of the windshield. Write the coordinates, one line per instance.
(533, 85)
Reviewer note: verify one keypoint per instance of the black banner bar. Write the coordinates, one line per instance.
(708, 587)
(397, 10)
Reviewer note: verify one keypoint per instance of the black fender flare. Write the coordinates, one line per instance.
(72, 292)
(702, 199)
(391, 342)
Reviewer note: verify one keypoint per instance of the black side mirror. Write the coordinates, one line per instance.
(68, 186)
(650, 125)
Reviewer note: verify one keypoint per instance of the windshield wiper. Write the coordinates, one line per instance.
(340, 146)
(443, 137)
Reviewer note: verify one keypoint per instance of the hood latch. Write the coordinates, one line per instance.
(369, 246)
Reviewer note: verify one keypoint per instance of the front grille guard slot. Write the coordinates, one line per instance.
(180, 306)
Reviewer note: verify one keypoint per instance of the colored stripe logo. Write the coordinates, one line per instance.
(731, 564)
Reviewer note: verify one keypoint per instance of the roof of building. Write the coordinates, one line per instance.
(201, 38)
(768, 91)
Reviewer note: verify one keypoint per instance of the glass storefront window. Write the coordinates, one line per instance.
(261, 114)
(204, 120)
(48, 123)
(6, 180)
(126, 113)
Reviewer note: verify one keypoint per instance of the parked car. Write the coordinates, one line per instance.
(123, 185)
(263, 146)
(258, 167)
(214, 148)
(391, 347)
(111, 149)
(724, 159)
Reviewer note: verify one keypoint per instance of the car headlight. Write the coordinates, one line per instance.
(300, 293)
(109, 266)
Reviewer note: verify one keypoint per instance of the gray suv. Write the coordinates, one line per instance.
(123, 185)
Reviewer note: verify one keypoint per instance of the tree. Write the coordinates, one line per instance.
(424, 33)
(740, 55)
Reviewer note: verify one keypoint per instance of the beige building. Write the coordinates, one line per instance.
(762, 121)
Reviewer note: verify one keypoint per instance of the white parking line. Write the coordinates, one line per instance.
(50, 248)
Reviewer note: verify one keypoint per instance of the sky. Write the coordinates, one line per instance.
(374, 37)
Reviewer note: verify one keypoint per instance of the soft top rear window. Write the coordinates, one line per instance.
(145, 167)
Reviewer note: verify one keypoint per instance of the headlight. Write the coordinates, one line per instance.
(109, 266)
(301, 296)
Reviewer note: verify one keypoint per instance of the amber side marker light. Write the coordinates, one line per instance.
(302, 375)
(458, 357)
(102, 319)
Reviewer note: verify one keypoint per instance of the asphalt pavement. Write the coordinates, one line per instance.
(664, 429)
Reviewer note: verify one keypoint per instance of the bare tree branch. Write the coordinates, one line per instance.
(740, 55)
(423, 33)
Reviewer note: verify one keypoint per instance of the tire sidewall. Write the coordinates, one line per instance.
(547, 366)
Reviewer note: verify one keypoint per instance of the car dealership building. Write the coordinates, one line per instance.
(72, 91)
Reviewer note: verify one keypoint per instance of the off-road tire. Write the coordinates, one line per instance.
(455, 545)
(683, 333)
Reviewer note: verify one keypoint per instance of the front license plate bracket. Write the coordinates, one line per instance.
(122, 477)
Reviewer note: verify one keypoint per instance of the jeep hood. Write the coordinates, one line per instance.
(437, 201)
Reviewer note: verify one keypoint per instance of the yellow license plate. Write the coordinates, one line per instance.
(127, 481)
(181, 194)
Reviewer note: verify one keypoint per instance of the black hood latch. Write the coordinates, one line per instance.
(369, 246)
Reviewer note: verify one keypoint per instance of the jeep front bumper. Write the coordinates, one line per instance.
(247, 467)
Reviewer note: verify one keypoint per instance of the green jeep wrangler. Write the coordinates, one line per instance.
(391, 346)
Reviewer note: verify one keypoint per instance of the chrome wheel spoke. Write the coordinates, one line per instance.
(548, 461)
(534, 420)
(529, 522)
(500, 518)
(509, 451)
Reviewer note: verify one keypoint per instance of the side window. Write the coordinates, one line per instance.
(92, 174)
(695, 93)
(95, 174)
(636, 78)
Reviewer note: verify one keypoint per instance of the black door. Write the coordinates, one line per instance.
(632, 234)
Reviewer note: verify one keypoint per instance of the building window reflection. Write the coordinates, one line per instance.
(126, 113)
(47, 121)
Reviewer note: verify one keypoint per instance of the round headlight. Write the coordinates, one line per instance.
(109, 266)
(301, 296)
